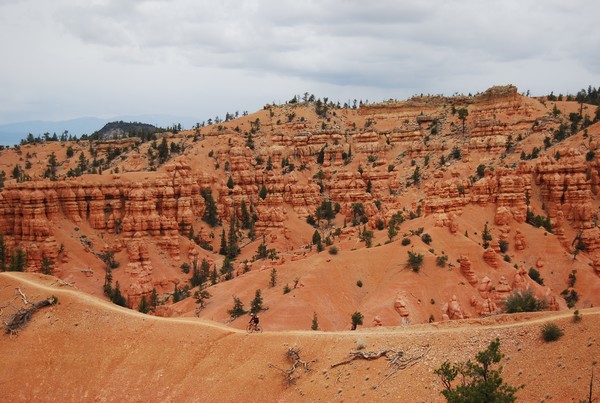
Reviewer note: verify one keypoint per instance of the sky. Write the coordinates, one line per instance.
(64, 59)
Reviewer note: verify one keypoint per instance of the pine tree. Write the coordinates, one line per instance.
(210, 208)
(230, 183)
(143, 306)
(257, 303)
(118, 298)
(214, 276)
(315, 322)
(18, 261)
(108, 282)
(47, 266)
(227, 269)
(273, 280)
(204, 270)
(245, 216)
(238, 308)
(163, 151)
(263, 192)
(223, 249)
(154, 299)
(233, 249)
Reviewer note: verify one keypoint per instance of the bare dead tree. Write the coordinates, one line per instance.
(293, 355)
(397, 360)
(22, 315)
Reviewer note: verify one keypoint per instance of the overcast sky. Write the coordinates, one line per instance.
(63, 59)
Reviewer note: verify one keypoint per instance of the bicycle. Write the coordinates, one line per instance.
(252, 328)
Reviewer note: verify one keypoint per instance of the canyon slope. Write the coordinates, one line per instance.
(320, 207)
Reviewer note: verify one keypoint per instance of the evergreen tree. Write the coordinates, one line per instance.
(18, 261)
(176, 294)
(227, 269)
(257, 303)
(82, 165)
(214, 276)
(233, 249)
(163, 151)
(316, 238)
(143, 306)
(245, 216)
(153, 299)
(462, 115)
(273, 279)
(51, 167)
(479, 382)
(263, 192)
(230, 183)
(210, 208)
(47, 266)
(238, 308)
(315, 322)
(223, 249)
(321, 156)
(357, 319)
(108, 291)
(204, 270)
(118, 298)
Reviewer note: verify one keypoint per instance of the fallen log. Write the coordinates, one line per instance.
(22, 316)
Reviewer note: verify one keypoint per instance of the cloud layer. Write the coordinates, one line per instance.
(67, 58)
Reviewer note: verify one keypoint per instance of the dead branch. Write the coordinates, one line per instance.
(373, 355)
(23, 296)
(397, 360)
(293, 355)
(22, 316)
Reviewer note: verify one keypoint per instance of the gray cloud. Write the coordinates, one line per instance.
(118, 49)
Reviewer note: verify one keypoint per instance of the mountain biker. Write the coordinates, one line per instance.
(254, 320)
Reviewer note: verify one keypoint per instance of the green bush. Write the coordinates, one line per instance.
(503, 245)
(551, 332)
(333, 250)
(523, 301)
(535, 276)
(415, 261)
(359, 283)
(405, 241)
(479, 381)
(441, 260)
(426, 238)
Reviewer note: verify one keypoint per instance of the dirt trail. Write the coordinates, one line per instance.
(526, 319)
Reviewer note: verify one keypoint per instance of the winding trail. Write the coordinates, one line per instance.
(506, 320)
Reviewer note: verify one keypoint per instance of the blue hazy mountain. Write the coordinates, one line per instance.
(12, 133)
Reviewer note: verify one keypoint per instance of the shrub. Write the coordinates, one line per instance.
(415, 261)
(286, 289)
(237, 309)
(503, 245)
(315, 322)
(426, 238)
(507, 258)
(480, 383)
(441, 260)
(551, 332)
(357, 319)
(570, 296)
(523, 301)
(577, 316)
(359, 283)
(535, 276)
(405, 241)
(333, 250)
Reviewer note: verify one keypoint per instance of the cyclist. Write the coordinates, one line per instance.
(254, 321)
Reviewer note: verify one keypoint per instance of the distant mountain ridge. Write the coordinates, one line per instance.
(119, 129)
(12, 133)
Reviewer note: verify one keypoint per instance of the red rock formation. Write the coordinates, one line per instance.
(491, 257)
(465, 269)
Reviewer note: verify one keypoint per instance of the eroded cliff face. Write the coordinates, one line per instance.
(415, 157)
